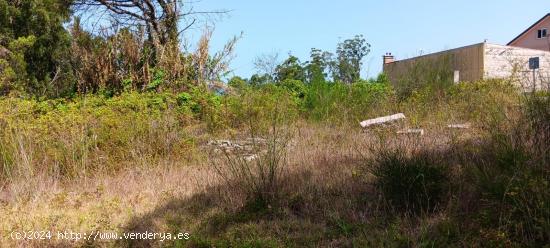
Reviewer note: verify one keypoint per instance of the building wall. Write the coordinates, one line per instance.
(513, 62)
(467, 60)
(530, 40)
(475, 62)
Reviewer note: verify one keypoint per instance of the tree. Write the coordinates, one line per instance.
(161, 18)
(350, 54)
(237, 82)
(266, 65)
(296, 87)
(320, 66)
(291, 68)
(35, 46)
(259, 79)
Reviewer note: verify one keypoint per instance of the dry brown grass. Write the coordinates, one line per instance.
(112, 202)
(105, 203)
(327, 196)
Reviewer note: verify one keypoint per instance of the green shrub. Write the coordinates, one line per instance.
(337, 102)
(416, 183)
(259, 179)
(72, 138)
(510, 173)
(258, 108)
(537, 112)
(237, 83)
(477, 102)
(296, 87)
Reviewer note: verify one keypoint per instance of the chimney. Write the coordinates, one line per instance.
(388, 58)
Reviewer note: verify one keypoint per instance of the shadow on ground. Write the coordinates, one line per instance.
(313, 210)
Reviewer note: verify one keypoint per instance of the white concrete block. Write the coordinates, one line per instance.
(382, 120)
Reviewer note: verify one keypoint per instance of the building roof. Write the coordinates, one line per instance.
(527, 30)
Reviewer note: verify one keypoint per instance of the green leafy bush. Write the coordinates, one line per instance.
(337, 102)
(257, 109)
(89, 134)
(296, 87)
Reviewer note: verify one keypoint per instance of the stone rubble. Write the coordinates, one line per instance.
(459, 126)
(412, 131)
(249, 149)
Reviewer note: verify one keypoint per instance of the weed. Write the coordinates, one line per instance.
(415, 183)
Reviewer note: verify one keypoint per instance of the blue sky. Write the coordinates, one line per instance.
(405, 28)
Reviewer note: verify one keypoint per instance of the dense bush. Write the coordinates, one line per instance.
(338, 102)
(513, 192)
(415, 183)
(257, 109)
(88, 134)
(34, 45)
(511, 175)
(494, 186)
(93, 133)
(477, 102)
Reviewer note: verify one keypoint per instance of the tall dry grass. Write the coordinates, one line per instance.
(122, 60)
(329, 185)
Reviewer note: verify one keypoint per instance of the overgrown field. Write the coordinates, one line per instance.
(138, 162)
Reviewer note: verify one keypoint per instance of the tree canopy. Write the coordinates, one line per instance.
(35, 46)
